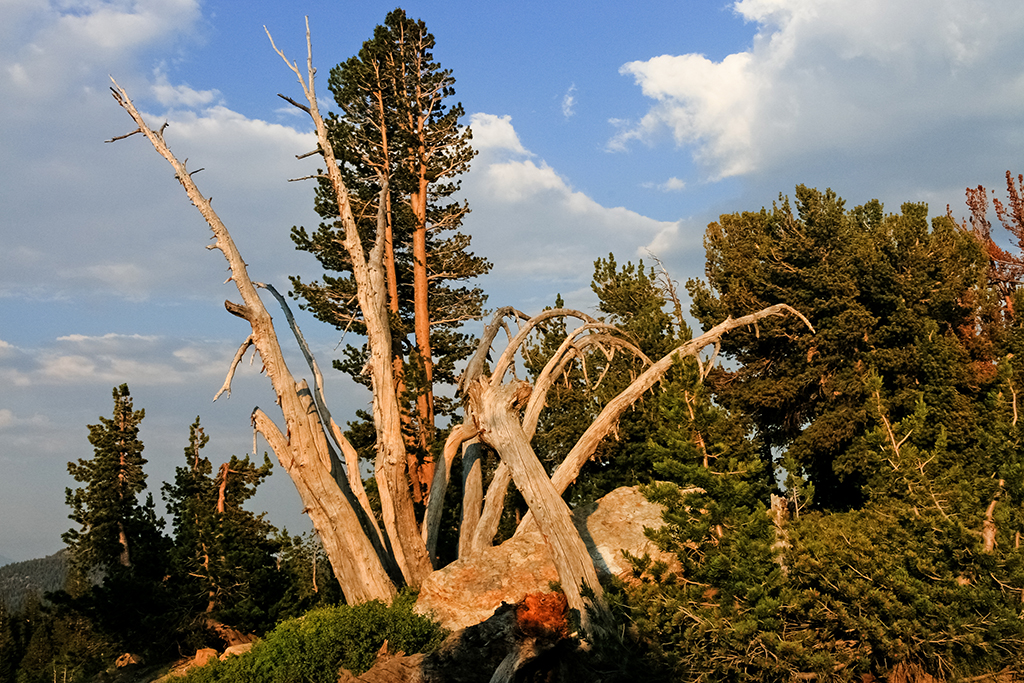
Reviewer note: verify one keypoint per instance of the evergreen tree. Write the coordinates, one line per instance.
(223, 555)
(116, 530)
(396, 129)
(632, 298)
(120, 543)
(887, 294)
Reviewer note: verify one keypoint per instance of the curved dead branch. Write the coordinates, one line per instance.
(584, 448)
(239, 354)
(475, 367)
(508, 355)
(571, 349)
(435, 503)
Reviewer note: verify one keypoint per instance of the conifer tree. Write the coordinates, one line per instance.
(116, 529)
(890, 293)
(401, 147)
(223, 554)
(120, 543)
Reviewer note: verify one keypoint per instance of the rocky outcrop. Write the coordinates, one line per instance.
(468, 591)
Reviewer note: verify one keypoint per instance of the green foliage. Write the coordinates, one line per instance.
(116, 529)
(396, 124)
(633, 299)
(316, 646)
(41, 642)
(887, 294)
(896, 419)
(224, 556)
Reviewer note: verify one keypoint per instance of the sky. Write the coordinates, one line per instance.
(601, 128)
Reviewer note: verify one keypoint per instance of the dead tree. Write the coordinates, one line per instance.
(372, 562)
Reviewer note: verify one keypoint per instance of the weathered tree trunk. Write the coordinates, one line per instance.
(304, 453)
(493, 410)
(371, 291)
(472, 496)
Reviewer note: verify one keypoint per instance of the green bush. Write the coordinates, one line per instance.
(312, 648)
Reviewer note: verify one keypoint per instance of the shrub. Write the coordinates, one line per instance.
(312, 648)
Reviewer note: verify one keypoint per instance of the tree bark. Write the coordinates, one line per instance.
(472, 496)
(304, 452)
(493, 411)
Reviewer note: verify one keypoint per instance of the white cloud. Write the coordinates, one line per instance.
(673, 184)
(828, 76)
(569, 102)
(543, 234)
(180, 95)
(495, 132)
(58, 44)
(514, 181)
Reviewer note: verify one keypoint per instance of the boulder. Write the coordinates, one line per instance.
(467, 591)
(204, 656)
(239, 649)
(128, 659)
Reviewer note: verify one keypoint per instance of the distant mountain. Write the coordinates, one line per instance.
(21, 579)
(4, 560)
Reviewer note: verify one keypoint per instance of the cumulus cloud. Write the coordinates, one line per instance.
(831, 76)
(70, 40)
(492, 132)
(543, 233)
(182, 95)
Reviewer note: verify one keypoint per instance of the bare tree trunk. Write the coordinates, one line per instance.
(371, 291)
(472, 496)
(493, 410)
(222, 487)
(358, 564)
(425, 399)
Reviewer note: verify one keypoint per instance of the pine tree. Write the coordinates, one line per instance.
(116, 530)
(886, 293)
(120, 542)
(395, 130)
(223, 555)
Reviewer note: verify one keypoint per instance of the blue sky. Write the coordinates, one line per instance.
(601, 128)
